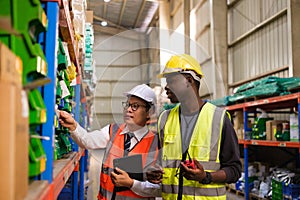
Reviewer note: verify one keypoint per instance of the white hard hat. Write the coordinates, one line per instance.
(144, 92)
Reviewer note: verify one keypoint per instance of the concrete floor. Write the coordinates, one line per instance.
(94, 173)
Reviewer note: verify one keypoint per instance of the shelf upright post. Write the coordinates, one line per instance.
(75, 146)
(246, 131)
(82, 163)
(50, 47)
(298, 157)
(81, 178)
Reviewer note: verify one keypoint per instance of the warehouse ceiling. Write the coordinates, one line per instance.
(122, 15)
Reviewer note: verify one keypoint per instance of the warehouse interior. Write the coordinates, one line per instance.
(80, 56)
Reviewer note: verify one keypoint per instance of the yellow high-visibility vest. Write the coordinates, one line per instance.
(204, 147)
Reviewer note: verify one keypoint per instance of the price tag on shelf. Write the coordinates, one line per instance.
(254, 143)
(282, 144)
(66, 176)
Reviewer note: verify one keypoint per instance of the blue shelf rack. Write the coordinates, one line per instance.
(50, 184)
(267, 104)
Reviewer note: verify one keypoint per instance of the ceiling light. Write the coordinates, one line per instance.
(106, 1)
(103, 23)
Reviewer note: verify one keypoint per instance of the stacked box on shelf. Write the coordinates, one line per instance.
(78, 8)
(89, 42)
(89, 62)
(64, 96)
(20, 31)
(14, 127)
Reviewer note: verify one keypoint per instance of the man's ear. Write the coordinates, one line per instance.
(190, 80)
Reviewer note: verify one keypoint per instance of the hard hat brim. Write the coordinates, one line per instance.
(192, 73)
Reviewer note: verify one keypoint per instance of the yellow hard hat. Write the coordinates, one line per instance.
(183, 63)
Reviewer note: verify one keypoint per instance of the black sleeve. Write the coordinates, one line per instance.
(230, 152)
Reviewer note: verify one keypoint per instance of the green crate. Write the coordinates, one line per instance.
(63, 142)
(276, 190)
(31, 54)
(32, 22)
(37, 156)
(57, 151)
(38, 114)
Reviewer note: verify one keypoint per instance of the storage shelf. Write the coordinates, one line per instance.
(39, 190)
(287, 144)
(67, 32)
(290, 101)
(63, 168)
(271, 103)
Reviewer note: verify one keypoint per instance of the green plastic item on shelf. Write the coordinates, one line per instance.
(283, 132)
(37, 114)
(259, 128)
(67, 105)
(62, 61)
(58, 94)
(57, 151)
(37, 156)
(32, 22)
(224, 101)
(64, 142)
(276, 190)
(33, 58)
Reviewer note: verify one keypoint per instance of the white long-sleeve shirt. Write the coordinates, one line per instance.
(98, 139)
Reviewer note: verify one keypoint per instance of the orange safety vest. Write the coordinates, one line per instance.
(148, 147)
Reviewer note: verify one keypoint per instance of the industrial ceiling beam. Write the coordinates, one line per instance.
(140, 13)
(122, 12)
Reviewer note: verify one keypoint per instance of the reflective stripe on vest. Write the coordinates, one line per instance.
(115, 149)
(204, 147)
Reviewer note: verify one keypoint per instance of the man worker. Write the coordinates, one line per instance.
(133, 135)
(200, 151)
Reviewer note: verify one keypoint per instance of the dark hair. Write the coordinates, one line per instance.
(197, 83)
(148, 104)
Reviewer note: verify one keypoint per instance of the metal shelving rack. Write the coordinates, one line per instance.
(51, 182)
(267, 104)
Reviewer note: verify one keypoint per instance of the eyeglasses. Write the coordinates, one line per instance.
(134, 106)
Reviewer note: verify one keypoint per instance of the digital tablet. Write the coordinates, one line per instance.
(132, 165)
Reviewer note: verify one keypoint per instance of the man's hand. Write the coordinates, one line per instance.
(121, 178)
(154, 174)
(67, 121)
(197, 173)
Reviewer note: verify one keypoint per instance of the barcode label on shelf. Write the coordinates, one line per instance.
(282, 144)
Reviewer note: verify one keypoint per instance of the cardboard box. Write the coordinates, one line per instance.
(271, 128)
(238, 122)
(89, 16)
(18, 137)
(21, 142)
(7, 140)
(10, 66)
(294, 128)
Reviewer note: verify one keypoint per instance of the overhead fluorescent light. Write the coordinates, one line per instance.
(104, 23)
(106, 1)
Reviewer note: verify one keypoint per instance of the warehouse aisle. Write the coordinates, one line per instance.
(94, 172)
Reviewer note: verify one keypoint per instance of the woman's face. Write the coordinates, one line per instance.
(135, 112)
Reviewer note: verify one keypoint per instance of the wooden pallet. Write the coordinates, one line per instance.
(252, 196)
(233, 190)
